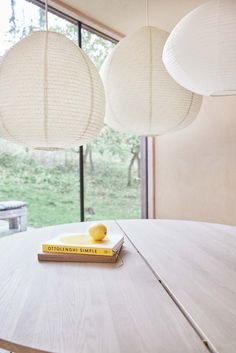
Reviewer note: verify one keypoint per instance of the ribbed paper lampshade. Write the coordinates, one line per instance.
(141, 97)
(200, 53)
(51, 95)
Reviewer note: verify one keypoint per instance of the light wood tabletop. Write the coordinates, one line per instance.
(175, 292)
(196, 263)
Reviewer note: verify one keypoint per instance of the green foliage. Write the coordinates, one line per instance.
(51, 189)
(96, 47)
(41, 20)
(115, 143)
(68, 29)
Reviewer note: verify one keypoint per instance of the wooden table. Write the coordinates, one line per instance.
(175, 293)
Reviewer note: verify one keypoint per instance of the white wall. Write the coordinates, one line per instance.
(196, 167)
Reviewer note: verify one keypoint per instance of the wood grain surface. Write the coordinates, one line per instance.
(85, 308)
(197, 263)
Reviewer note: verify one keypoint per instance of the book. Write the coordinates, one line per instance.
(72, 243)
(58, 257)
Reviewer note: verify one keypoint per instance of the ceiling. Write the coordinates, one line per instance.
(125, 16)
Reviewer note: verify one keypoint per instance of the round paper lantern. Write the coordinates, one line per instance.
(141, 97)
(51, 95)
(200, 53)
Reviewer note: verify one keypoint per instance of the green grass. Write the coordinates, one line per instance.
(107, 193)
(52, 191)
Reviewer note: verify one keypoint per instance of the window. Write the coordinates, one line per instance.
(112, 161)
(49, 182)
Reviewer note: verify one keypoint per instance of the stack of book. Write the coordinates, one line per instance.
(81, 248)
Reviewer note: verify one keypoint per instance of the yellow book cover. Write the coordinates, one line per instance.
(72, 243)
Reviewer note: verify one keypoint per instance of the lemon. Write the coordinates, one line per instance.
(98, 231)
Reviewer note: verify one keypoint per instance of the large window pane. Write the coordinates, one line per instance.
(112, 179)
(49, 182)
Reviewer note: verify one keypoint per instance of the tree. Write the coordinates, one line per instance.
(118, 145)
(41, 19)
(134, 144)
(88, 155)
(19, 28)
(96, 47)
(12, 20)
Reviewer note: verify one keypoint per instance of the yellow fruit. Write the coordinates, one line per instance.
(98, 232)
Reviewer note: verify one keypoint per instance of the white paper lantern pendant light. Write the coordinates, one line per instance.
(51, 95)
(200, 53)
(141, 97)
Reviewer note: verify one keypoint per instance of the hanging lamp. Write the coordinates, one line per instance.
(141, 97)
(200, 53)
(51, 95)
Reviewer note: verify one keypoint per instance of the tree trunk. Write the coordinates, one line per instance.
(66, 159)
(135, 156)
(88, 153)
(12, 20)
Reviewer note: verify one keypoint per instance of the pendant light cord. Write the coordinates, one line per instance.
(150, 81)
(46, 14)
(147, 12)
(46, 76)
